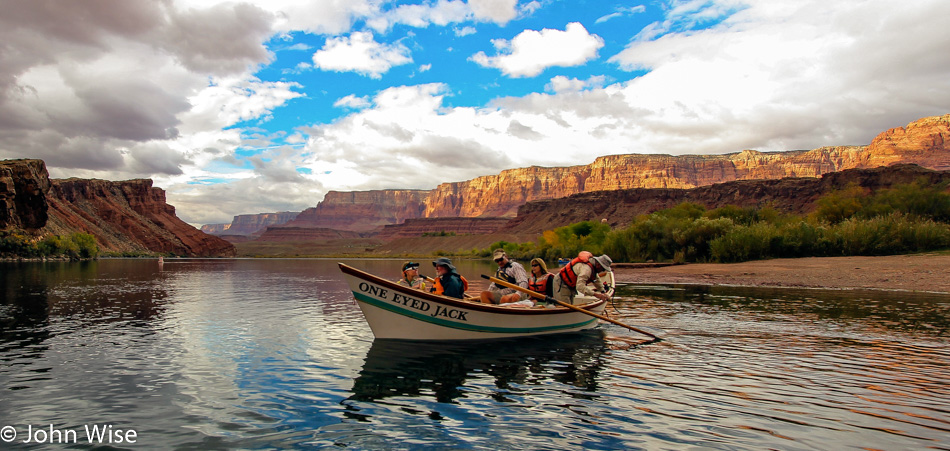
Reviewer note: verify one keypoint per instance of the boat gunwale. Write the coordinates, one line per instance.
(470, 305)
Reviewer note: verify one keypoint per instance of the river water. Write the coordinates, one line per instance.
(224, 354)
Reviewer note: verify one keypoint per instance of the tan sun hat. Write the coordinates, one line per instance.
(604, 261)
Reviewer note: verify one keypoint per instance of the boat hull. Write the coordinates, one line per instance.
(397, 312)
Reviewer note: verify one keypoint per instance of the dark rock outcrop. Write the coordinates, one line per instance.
(23, 188)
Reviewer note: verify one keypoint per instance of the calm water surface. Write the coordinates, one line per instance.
(222, 354)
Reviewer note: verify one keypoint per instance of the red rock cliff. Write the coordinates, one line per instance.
(127, 216)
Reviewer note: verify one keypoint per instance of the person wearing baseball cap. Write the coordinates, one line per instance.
(510, 271)
(411, 277)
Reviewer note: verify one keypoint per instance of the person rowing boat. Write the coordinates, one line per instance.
(574, 277)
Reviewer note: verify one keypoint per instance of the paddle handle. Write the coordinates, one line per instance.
(564, 304)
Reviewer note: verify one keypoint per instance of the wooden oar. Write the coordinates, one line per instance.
(564, 304)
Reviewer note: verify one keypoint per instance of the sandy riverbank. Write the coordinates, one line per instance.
(919, 272)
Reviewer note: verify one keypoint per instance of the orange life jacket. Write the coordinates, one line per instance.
(568, 275)
(437, 287)
(542, 285)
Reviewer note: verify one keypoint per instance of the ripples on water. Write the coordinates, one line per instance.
(275, 354)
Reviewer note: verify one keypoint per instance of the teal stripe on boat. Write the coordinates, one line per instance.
(463, 326)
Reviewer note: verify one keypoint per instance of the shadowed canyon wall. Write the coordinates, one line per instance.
(127, 216)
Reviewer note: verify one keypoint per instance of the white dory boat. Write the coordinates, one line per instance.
(395, 311)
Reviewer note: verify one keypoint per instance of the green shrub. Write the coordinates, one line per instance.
(569, 240)
(916, 199)
(75, 246)
(681, 233)
(743, 243)
(86, 244)
(895, 233)
(15, 243)
(840, 204)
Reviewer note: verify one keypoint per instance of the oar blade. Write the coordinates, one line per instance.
(652, 332)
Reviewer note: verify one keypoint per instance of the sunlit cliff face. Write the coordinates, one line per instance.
(925, 142)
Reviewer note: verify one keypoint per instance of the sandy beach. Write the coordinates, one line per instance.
(918, 272)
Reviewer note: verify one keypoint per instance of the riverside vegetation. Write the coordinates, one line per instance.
(74, 246)
(850, 222)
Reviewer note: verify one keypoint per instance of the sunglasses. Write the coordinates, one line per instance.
(499, 260)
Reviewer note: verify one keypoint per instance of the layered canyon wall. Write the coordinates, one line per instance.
(925, 142)
(126, 216)
(792, 195)
(357, 211)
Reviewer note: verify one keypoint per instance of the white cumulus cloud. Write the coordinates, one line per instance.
(531, 52)
(360, 53)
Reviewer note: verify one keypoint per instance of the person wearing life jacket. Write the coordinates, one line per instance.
(510, 271)
(540, 280)
(449, 282)
(574, 277)
(411, 276)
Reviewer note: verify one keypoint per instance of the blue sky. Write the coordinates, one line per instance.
(263, 106)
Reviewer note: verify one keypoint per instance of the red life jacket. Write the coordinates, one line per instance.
(542, 285)
(568, 275)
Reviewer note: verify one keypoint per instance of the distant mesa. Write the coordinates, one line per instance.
(248, 227)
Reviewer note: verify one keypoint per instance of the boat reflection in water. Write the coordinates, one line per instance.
(448, 370)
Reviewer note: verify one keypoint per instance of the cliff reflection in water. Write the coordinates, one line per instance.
(443, 370)
(39, 300)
